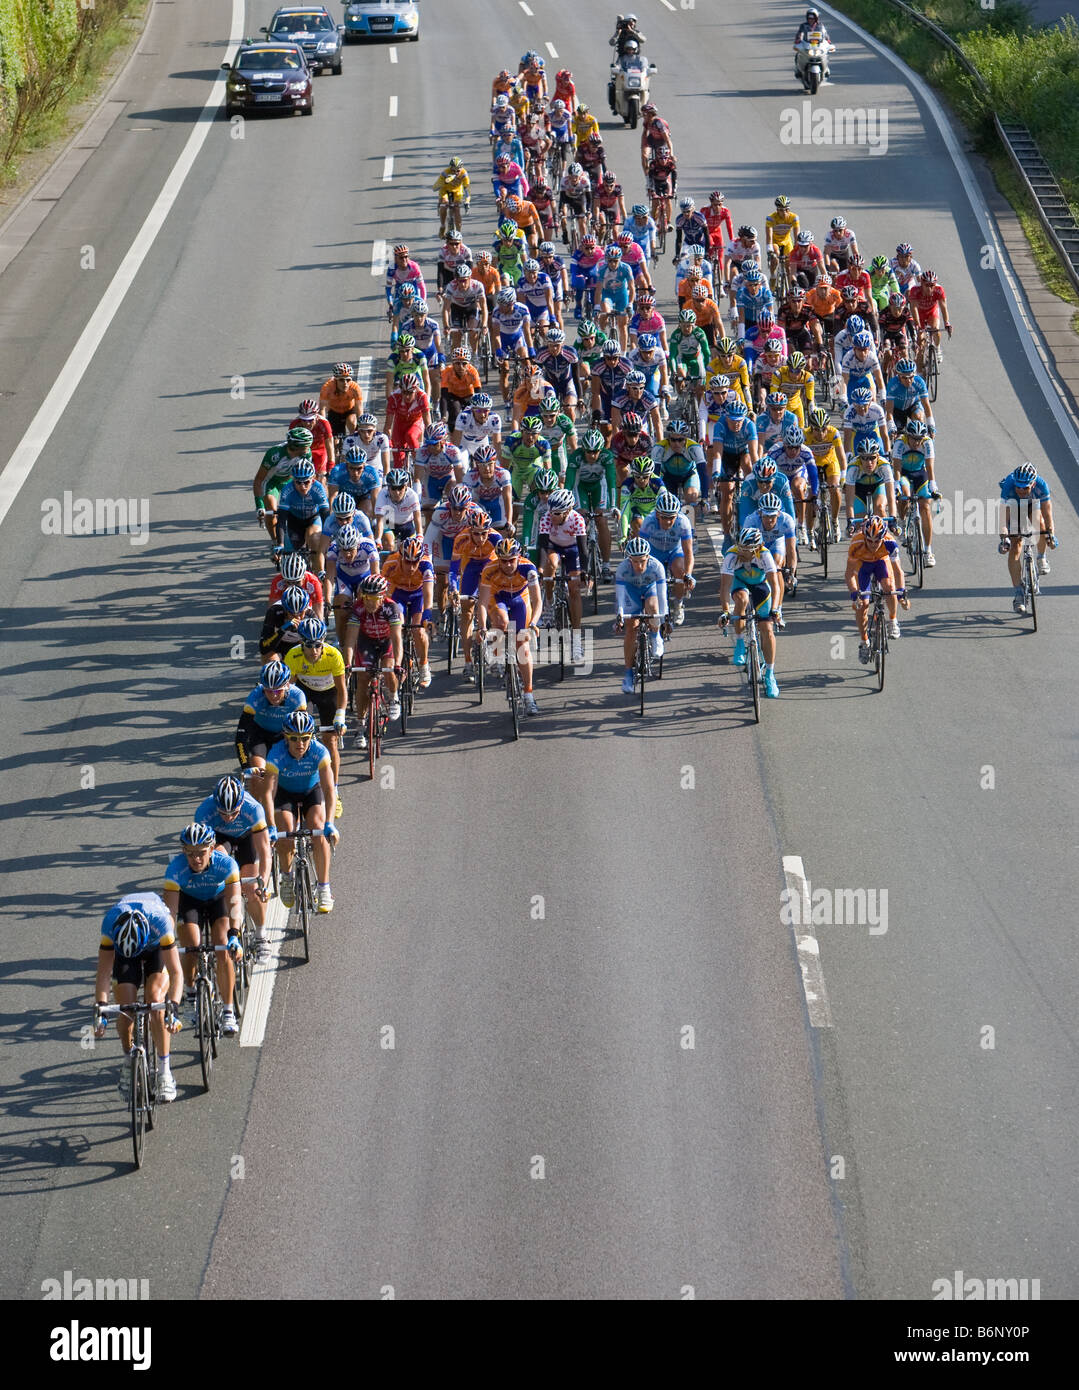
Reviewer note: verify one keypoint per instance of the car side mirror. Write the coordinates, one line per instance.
(340, 28)
(226, 67)
(652, 68)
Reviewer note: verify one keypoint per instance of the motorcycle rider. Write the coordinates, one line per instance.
(811, 25)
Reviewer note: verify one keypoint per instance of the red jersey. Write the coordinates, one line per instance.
(718, 219)
(310, 584)
(859, 279)
(565, 91)
(625, 452)
(402, 414)
(320, 428)
(806, 258)
(924, 300)
(376, 626)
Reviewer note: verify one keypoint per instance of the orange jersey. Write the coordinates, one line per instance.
(514, 583)
(343, 402)
(463, 387)
(525, 215)
(707, 312)
(864, 554)
(399, 574)
(488, 277)
(824, 302)
(465, 550)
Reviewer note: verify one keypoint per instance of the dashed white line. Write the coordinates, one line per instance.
(525, 8)
(820, 1012)
(363, 373)
(551, 49)
(392, 50)
(393, 106)
(387, 169)
(668, 4)
(380, 257)
(264, 977)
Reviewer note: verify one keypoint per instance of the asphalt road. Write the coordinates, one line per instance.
(541, 1126)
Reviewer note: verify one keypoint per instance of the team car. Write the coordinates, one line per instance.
(269, 77)
(311, 27)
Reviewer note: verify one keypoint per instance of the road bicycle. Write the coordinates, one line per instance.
(781, 277)
(878, 633)
(826, 379)
(826, 529)
(303, 880)
(591, 560)
(378, 719)
(1028, 575)
(409, 680)
(208, 1002)
(560, 619)
(451, 630)
(647, 667)
(932, 358)
(914, 541)
(143, 1065)
(754, 666)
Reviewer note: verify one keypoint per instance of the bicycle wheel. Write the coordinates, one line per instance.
(152, 1071)
(562, 623)
(918, 557)
(513, 692)
(275, 871)
(204, 1027)
(304, 906)
(1031, 582)
(451, 637)
(372, 728)
(140, 1101)
(753, 670)
(822, 532)
(932, 371)
(239, 984)
(642, 662)
(404, 690)
(882, 638)
(593, 571)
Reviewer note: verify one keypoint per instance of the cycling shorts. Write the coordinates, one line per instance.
(593, 495)
(410, 602)
(570, 555)
(760, 596)
(370, 651)
(634, 605)
(433, 488)
(516, 608)
(873, 569)
(677, 482)
(133, 970)
(241, 850)
(495, 509)
(195, 909)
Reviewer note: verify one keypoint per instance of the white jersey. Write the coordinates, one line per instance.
(475, 432)
(402, 510)
(838, 243)
(372, 452)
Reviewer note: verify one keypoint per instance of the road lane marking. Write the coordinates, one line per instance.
(551, 49)
(393, 54)
(379, 257)
(387, 169)
(525, 8)
(668, 4)
(28, 450)
(820, 1012)
(264, 977)
(363, 376)
(393, 106)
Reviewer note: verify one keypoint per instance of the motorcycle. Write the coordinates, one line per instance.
(627, 90)
(811, 63)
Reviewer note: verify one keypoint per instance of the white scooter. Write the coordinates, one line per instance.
(628, 87)
(811, 61)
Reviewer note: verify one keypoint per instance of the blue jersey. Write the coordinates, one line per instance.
(903, 397)
(299, 775)
(677, 465)
(628, 584)
(769, 431)
(534, 294)
(509, 321)
(349, 572)
(249, 817)
(152, 908)
(304, 506)
(616, 279)
(911, 459)
(269, 717)
(643, 233)
(666, 542)
(751, 491)
(1039, 493)
(359, 520)
(775, 536)
(792, 467)
(209, 883)
(752, 305)
(733, 441)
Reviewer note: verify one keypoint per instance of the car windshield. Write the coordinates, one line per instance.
(302, 23)
(269, 60)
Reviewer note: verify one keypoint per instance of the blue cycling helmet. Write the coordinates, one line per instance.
(275, 675)
(312, 631)
(197, 835)
(131, 933)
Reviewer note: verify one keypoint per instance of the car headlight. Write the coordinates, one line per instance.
(297, 86)
(327, 45)
(410, 20)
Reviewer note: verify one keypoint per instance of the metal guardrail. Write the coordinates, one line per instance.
(1049, 202)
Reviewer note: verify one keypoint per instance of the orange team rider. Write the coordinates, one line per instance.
(509, 587)
(342, 400)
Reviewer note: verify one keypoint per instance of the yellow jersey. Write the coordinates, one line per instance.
(824, 450)
(315, 675)
(737, 374)
(785, 227)
(584, 126)
(798, 387)
(453, 182)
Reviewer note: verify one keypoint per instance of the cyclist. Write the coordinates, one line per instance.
(512, 331)
(593, 158)
(798, 466)
(464, 307)
(447, 523)
(734, 441)
(477, 424)
(634, 398)
(452, 187)
(473, 550)
(642, 228)
(692, 270)
(558, 430)
(374, 638)
(796, 382)
(629, 443)
(585, 266)
(302, 508)
(138, 947)
(451, 254)
(319, 670)
(780, 229)
(274, 472)
(400, 504)
(438, 463)
(669, 534)
(489, 483)
(405, 358)
(403, 272)
(728, 362)
(928, 304)
(1019, 492)
(826, 445)
(640, 592)
(584, 124)
(354, 486)
(690, 227)
(883, 283)
(292, 569)
(617, 293)
(561, 528)
(204, 882)
(591, 479)
(904, 267)
(560, 366)
(778, 532)
(341, 399)
(264, 713)
(773, 420)
(610, 205)
(869, 483)
(510, 251)
(239, 825)
(460, 382)
(806, 261)
(861, 367)
(907, 397)
(747, 575)
(509, 590)
(575, 198)
(914, 465)
(564, 89)
(661, 181)
(800, 323)
(411, 577)
(525, 453)
(309, 417)
(857, 277)
(839, 245)
(350, 559)
(408, 415)
(299, 784)
(370, 440)
(637, 496)
(864, 418)
(873, 554)
(753, 298)
(765, 478)
(655, 135)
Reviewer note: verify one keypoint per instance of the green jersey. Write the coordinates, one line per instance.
(883, 286)
(524, 461)
(277, 465)
(674, 356)
(593, 480)
(561, 430)
(637, 503)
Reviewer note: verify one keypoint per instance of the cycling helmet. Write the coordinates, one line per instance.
(374, 586)
(879, 263)
(459, 497)
(805, 238)
(344, 504)
(648, 109)
(906, 366)
(850, 292)
(861, 395)
(531, 266)
(797, 361)
(344, 369)
(546, 480)
(484, 454)
(686, 204)
(904, 249)
(839, 224)
(299, 435)
(753, 275)
(312, 631)
(1026, 475)
(575, 170)
(476, 519)
(686, 316)
(131, 933)
(507, 549)
(648, 342)
(747, 231)
(308, 409)
(636, 379)
(546, 248)
(646, 296)
(502, 159)
(412, 548)
(856, 324)
(407, 293)
(638, 210)
(856, 260)
(793, 437)
(677, 430)
(613, 252)
(410, 381)
(749, 538)
(775, 399)
(348, 538)
(463, 353)
(637, 547)
(293, 567)
(667, 504)
(929, 277)
(869, 448)
(354, 457)
(406, 340)
(397, 478)
(916, 428)
(294, 601)
(549, 405)
(782, 201)
(726, 347)
(818, 417)
(736, 411)
(556, 334)
(436, 432)
(642, 469)
(512, 202)
(532, 423)
(897, 300)
(596, 139)
(875, 529)
(457, 162)
(718, 383)
(770, 504)
(197, 835)
(611, 348)
(275, 675)
(507, 296)
(229, 794)
(299, 724)
(561, 500)
(863, 339)
(764, 470)
(366, 419)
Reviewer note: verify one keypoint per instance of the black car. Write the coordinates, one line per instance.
(311, 27)
(269, 77)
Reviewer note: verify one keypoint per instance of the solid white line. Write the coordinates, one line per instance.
(257, 1012)
(715, 535)
(393, 106)
(1026, 330)
(363, 376)
(551, 49)
(525, 8)
(393, 53)
(379, 257)
(668, 4)
(387, 169)
(820, 1012)
(29, 448)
